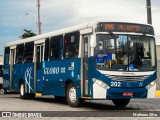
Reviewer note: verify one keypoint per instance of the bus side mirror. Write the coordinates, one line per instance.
(93, 41)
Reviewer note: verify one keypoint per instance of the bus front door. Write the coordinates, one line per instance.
(84, 71)
(39, 78)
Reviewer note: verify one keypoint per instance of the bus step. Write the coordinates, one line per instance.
(86, 97)
(38, 94)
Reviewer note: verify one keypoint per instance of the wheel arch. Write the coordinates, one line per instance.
(21, 81)
(67, 82)
(77, 87)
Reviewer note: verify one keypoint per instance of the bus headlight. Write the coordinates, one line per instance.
(100, 83)
(150, 85)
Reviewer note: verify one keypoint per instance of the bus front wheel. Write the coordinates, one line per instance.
(71, 96)
(121, 102)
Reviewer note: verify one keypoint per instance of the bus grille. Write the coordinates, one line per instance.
(127, 78)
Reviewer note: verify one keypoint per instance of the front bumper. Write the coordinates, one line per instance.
(117, 93)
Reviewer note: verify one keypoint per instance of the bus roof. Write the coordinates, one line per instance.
(54, 33)
(60, 32)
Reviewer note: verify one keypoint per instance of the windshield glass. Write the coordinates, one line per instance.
(125, 53)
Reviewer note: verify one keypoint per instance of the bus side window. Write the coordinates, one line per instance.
(28, 52)
(71, 45)
(55, 47)
(19, 53)
(46, 54)
(6, 56)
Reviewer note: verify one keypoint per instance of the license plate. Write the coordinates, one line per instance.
(128, 94)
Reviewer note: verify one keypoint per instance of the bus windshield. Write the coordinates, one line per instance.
(125, 52)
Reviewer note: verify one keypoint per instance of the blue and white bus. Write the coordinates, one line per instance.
(1, 79)
(96, 60)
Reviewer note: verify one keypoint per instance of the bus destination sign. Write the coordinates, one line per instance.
(124, 27)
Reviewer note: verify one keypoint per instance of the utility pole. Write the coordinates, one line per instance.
(39, 18)
(149, 14)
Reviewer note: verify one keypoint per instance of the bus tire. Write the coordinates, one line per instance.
(2, 91)
(23, 95)
(121, 102)
(71, 96)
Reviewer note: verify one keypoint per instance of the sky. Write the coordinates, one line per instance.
(16, 15)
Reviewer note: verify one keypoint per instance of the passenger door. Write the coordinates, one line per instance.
(12, 62)
(39, 51)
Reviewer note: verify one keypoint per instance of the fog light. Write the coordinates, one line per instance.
(151, 85)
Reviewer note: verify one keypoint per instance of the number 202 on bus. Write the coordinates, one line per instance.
(115, 84)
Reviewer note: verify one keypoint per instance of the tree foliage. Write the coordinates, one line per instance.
(27, 34)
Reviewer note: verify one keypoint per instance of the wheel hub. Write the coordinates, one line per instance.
(22, 89)
(72, 95)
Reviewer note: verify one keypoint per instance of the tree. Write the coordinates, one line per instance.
(27, 33)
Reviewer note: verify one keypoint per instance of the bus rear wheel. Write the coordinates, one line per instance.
(71, 96)
(121, 102)
(23, 95)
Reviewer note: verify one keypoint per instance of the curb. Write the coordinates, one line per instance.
(157, 93)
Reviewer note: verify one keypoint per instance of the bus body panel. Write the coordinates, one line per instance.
(39, 81)
(25, 73)
(50, 80)
(54, 75)
(18, 68)
(6, 77)
(28, 77)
